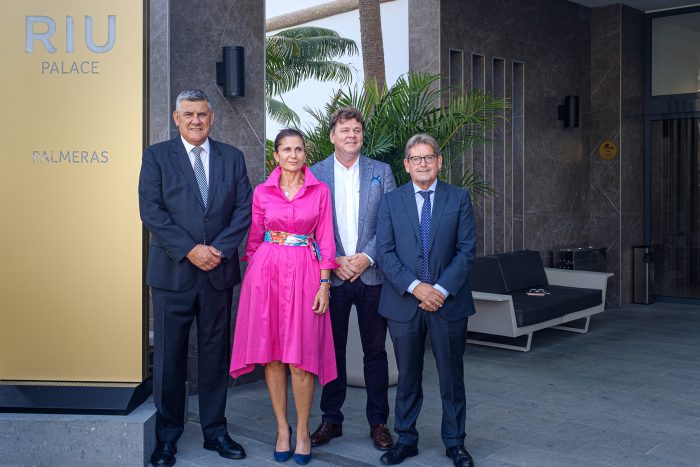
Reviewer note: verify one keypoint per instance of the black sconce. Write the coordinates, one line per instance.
(569, 112)
(230, 73)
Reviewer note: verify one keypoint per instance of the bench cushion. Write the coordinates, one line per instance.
(485, 276)
(522, 270)
(560, 301)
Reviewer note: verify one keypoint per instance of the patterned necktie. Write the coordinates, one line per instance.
(425, 236)
(200, 174)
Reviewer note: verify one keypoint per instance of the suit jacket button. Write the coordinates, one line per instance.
(206, 219)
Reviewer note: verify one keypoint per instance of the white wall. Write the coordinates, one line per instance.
(315, 94)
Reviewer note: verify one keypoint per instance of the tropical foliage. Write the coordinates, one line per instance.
(409, 107)
(298, 54)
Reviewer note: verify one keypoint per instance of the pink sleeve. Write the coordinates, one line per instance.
(324, 231)
(257, 228)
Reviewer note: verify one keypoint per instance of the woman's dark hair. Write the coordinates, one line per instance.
(288, 132)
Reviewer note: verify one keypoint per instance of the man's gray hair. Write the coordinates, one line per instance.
(192, 95)
(422, 138)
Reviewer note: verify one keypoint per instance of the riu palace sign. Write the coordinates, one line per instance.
(41, 31)
(73, 306)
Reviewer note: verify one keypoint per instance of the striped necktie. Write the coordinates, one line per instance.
(425, 236)
(200, 174)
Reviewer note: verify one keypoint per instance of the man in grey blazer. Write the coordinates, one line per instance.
(357, 185)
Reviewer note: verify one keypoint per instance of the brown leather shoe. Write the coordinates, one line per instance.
(325, 433)
(381, 437)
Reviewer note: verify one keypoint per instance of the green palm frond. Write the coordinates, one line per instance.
(287, 77)
(297, 54)
(311, 42)
(478, 188)
(281, 112)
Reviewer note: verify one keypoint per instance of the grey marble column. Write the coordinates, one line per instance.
(632, 144)
(198, 31)
(616, 187)
(424, 36)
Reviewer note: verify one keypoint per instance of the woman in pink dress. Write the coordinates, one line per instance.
(282, 315)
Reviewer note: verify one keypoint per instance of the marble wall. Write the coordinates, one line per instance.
(186, 40)
(553, 189)
(424, 35)
(632, 144)
(603, 197)
(198, 31)
(536, 51)
(159, 102)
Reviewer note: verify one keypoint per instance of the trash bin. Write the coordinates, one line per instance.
(643, 274)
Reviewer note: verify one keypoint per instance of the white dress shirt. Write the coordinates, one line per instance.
(347, 203)
(204, 155)
(419, 204)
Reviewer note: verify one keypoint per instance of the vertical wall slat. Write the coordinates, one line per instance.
(479, 159)
(518, 170)
(498, 165)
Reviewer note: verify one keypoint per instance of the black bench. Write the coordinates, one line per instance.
(507, 313)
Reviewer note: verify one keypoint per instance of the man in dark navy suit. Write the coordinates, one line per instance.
(426, 240)
(195, 199)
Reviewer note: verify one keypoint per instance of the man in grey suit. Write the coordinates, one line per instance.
(426, 240)
(357, 185)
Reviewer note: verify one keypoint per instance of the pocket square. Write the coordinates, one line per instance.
(376, 180)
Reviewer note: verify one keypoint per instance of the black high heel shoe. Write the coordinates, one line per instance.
(283, 456)
(303, 459)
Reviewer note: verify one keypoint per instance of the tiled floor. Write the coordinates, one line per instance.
(625, 394)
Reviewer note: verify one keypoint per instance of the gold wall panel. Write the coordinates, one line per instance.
(72, 135)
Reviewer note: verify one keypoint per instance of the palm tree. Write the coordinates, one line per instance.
(297, 54)
(372, 42)
(407, 108)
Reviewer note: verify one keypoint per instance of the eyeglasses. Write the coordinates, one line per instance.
(538, 292)
(416, 160)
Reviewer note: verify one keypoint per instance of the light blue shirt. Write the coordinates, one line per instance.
(419, 205)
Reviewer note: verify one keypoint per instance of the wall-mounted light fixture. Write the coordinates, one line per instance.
(231, 72)
(569, 112)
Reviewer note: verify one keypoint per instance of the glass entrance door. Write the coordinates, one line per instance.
(675, 206)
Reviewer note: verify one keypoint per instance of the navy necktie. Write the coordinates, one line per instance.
(425, 236)
(200, 175)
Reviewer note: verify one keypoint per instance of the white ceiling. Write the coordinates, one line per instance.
(644, 5)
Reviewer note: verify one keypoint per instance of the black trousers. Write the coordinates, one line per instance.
(448, 340)
(373, 335)
(173, 314)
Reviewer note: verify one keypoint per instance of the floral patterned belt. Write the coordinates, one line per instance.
(292, 239)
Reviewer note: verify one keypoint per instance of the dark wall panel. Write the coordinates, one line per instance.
(553, 189)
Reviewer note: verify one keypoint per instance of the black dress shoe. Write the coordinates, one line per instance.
(324, 433)
(398, 454)
(460, 457)
(164, 454)
(226, 447)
